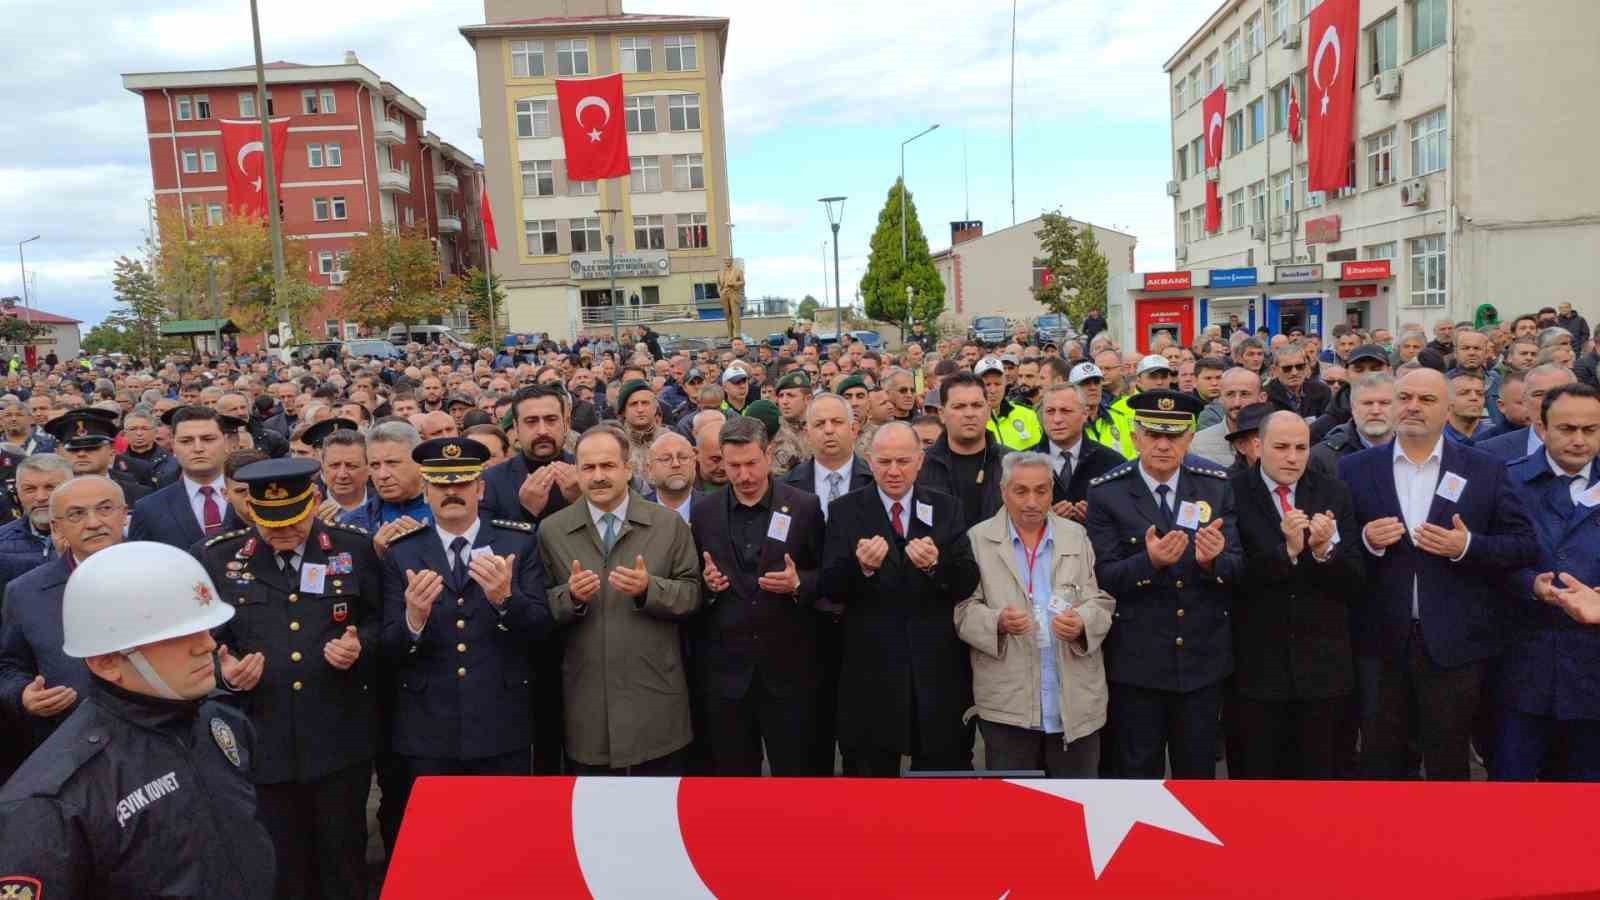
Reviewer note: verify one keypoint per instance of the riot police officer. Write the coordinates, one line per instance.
(144, 791)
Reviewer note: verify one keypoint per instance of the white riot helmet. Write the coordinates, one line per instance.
(137, 593)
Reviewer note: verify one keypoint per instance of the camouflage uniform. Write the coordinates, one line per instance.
(864, 440)
(789, 449)
(639, 452)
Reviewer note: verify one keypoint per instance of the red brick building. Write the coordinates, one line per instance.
(359, 158)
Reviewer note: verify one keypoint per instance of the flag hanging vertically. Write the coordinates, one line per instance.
(592, 127)
(487, 214)
(1331, 94)
(1294, 115)
(242, 154)
(1214, 112)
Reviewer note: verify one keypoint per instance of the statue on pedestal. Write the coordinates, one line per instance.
(730, 287)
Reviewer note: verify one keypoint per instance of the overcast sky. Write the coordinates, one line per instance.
(819, 97)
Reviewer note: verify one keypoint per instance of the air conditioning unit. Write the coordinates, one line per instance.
(337, 277)
(1182, 253)
(1214, 173)
(1258, 231)
(1238, 76)
(1414, 193)
(1172, 189)
(1291, 38)
(1387, 85)
(1280, 224)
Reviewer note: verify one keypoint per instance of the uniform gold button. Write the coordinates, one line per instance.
(1180, 613)
(461, 672)
(297, 685)
(295, 656)
(461, 648)
(461, 623)
(294, 598)
(294, 626)
(1178, 584)
(1180, 642)
(461, 601)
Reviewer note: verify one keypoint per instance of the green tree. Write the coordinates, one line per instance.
(107, 337)
(883, 287)
(478, 286)
(1090, 277)
(1059, 241)
(395, 279)
(138, 319)
(807, 309)
(239, 250)
(14, 330)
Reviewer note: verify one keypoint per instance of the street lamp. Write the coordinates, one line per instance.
(929, 130)
(27, 311)
(611, 253)
(834, 218)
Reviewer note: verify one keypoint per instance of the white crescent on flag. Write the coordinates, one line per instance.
(587, 102)
(1214, 149)
(246, 150)
(1330, 39)
(635, 819)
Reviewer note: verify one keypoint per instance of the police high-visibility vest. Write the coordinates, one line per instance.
(1114, 429)
(1015, 426)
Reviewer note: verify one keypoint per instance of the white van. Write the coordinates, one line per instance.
(400, 335)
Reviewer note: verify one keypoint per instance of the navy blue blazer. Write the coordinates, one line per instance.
(30, 644)
(1551, 665)
(501, 484)
(1462, 604)
(461, 689)
(1508, 447)
(167, 517)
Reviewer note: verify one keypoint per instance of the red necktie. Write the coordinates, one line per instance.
(894, 516)
(210, 512)
(1282, 491)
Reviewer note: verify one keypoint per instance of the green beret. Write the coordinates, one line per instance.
(627, 390)
(767, 413)
(796, 379)
(848, 382)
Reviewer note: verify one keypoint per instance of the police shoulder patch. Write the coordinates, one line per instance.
(507, 523)
(415, 529)
(1114, 474)
(354, 528)
(227, 536)
(1205, 470)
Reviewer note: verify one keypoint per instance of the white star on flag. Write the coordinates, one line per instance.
(594, 136)
(1111, 808)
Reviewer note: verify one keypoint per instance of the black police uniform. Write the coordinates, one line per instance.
(316, 726)
(137, 797)
(87, 428)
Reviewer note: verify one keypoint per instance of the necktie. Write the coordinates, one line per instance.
(894, 517)
(835, 488)
(210, 513)
(286, 561)
(1282, 491)
(1066, 467)
(1563, 497)
(609, 535)
(458, 558)
(1161, 500)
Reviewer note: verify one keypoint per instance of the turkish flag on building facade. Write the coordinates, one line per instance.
(1215, 113)
(241, 152)
(592, 127)
(1294, 116)
(489, 239)
(1331, 93)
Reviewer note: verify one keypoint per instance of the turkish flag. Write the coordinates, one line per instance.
(1215, 113)
(1331, 89)
(241, 151)
(779, 838)
(1294, 116)
(592, 127)
(488, 220)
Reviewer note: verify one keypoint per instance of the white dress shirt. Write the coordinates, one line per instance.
(1414, 485)
(905, 509)
(1578, 487)
(621, 512)
(1534, 444)
(448, 537)
(197, 500)
(1272, 490)
(1058, 455)
(821, 487)
(1151, 484)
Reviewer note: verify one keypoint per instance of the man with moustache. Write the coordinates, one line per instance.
(671, 473)
(84, 437)
(26, 542)
(541, 479)
(1372, 421)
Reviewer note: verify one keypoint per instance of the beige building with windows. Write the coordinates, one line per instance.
(672, 234)
(994, 274)
(1473, 175)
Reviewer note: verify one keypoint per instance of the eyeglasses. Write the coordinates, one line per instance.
(674, 458)
(1294, 367)
(77, 515)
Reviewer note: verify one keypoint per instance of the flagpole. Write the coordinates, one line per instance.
(488, 283)
(274, 226)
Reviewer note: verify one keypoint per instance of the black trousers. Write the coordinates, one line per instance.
(886, 763)
(1443, 703)
(1007, 748)
(673, 764)
(830, 657)
(1155, 727)
(319, 833)
(407, 769)
(546, 702)
(1285, 739)
(738, 728)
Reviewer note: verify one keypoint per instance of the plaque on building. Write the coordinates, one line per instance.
(597, 266)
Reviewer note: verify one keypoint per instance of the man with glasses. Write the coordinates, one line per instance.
(1291, 388)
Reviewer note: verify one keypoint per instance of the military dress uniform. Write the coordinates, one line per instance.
(86, 429)
(1171, 640)
(316, 725)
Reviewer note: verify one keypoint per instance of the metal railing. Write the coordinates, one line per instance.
(628, 314)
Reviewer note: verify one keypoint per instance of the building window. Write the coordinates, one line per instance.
(1183, 162)
(332, 156)
(683, 112)
(646, 175)
(185, 108)
(319, 209)
(1427, 25)
(1427, 143)
(693, 232)
(202, 106)
(325, 267)
(331, 328)
(639, 114)
(314, 156)
(649, 233)
(1194, 86)
(1282, 194)
(688, 172)
(585, 235)
(1213, 72)
(340, 211)
(1258, 202)
(191, 162)
(1234, 51)
(541, 237)
(635, 54)
(308, 103)
(681, 53)
(208, 160)
(1278, 12)
(572, 57)
(352, 330)
(1183, 226)
(1254, 40)
(1380, 159)
(1180, 95)
(247, 106)
(1280, 107)
(411, 217)
(585, 188)
(213, 213)
(1427, 271)
(651, 294)
(1383, 43)
(1379, 251)
(527, 59)
(271, 111)
(1258, 121)
(533, 118)
(538, 178)
(1308, 199)
(327, 102)
(1236, 134)
(1197, 155)
(1236, 210)
(705, 291)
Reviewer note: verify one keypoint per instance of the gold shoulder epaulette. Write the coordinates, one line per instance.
(508, 523)
(227, 536)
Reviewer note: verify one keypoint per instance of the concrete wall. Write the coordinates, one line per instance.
(993, 275)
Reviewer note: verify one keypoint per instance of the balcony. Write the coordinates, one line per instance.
(449, 223)
(389, 131)
(446, 183)
(395, 181)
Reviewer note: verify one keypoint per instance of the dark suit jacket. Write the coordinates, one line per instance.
(899, 627)
(745, 630)
(1512, 445)
(1291, 625)
(167, 517)
(804, 475)
(30, 644)
(1462, 604)
(1094, 459)
(938, 474)
(500, 486)
(471, 703)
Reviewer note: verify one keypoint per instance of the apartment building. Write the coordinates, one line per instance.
(1472, 179)
(672, 232)
(359, 158)
(994, 274)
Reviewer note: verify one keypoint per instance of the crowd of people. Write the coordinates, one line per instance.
(248, 591)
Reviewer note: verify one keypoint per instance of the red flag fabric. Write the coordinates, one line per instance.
(488, 220)
(780, 838)
(241, 151)
(592, 127)
(1215, 113)
(1331, 93)
(1294, 116)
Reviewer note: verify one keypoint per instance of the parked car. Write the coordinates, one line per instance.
(1052, 328)
(373, 348)
(306, 352)
(677, 343)
(401, 335)
(776, 339)
(869, 339)
(989, 331)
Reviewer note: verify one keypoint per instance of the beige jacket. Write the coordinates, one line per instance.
(625, 694)
(1005, 669)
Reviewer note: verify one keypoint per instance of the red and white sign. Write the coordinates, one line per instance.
(1168, 281)
(1322, 230)
(593, 130)
(778, 838)
(247, 166)
(1215, 112)
(1366, 270)
(1357, 291)
(1331, 93)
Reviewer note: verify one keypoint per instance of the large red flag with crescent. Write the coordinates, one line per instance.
(592, 127)
(1331, 93)
(1215, 113)
(241, 151)
(487, 214)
